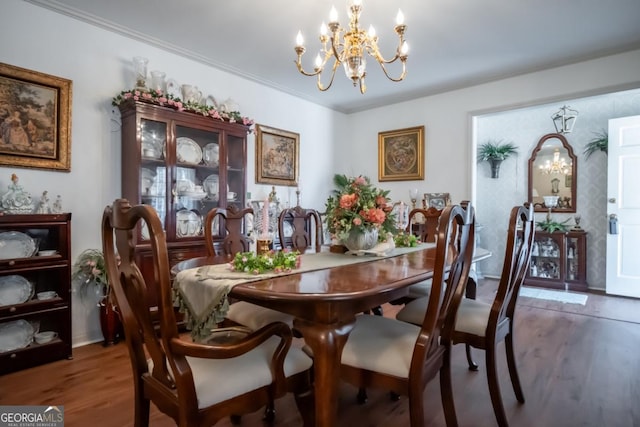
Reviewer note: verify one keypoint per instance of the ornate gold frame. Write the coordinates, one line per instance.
(56, 91)
(406, 148)
(277, 156)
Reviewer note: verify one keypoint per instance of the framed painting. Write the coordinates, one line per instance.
(277, 156)
(401, 154)
(35, 119)
(436, 200)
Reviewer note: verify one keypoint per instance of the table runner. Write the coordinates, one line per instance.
(201, 293)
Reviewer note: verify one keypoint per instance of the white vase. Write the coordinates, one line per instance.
(361, 240)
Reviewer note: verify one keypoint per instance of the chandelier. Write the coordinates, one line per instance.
(348, 46)
(564, 119)
(557, 166)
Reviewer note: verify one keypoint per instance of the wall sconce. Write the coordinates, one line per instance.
(565, 119)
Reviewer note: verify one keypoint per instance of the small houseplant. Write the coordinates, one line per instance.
(495, 153)
(90, 274)
(600, 142)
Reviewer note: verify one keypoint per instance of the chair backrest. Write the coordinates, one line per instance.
(235, 239)
(454, 254)
(132, 292)
(428, 231)
(517, 255)
(306, 227)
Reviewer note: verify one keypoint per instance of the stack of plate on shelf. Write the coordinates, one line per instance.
(14, 244)
(188, 223)
(211, 154)
(188, 151)
(15, 289)
(211, 186)
(15, 335)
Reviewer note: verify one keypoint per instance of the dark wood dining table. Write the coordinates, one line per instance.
(325, 304)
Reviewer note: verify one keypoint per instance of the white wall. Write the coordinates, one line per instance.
(99, 64)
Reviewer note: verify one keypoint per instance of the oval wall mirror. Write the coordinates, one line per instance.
(552, 172)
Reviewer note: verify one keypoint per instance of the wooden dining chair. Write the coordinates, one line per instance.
(427, 233)
(306, 229)
(236, 240)
(483, 325)
(196, 384)
(398, 356)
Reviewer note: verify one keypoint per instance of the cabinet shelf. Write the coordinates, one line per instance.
(44, 273)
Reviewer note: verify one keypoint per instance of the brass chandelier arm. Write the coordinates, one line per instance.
(333, 74)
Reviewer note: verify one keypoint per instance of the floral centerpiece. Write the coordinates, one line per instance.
(89, 271)
(159, 97)
(276, 261)
(356, 207)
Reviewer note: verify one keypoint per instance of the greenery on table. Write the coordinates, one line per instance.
(276, 261)
(405, 240)
(497, 150)
(551, 226)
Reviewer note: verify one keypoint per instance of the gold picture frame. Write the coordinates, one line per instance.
(35, 119)
(277, 156)
(401, 154)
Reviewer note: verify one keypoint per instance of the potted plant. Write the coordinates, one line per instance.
(551, 226)
(495, 153)
(359, 214)
(90, 275)
(599, 143)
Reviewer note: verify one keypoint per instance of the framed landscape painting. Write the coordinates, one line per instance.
(277, 156)
(401, 154)
(35, 119)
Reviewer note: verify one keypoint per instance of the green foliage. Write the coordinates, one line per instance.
(496, 150)
(89, 270)
(551, 226)
(276, 261)
(404, 240)
(599, 143)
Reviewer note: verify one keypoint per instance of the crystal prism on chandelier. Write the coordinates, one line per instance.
(348, 46)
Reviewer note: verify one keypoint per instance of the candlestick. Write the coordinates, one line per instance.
(265, 219)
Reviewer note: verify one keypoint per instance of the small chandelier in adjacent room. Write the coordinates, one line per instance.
(556, 166)
(564, 119)
(348, 47)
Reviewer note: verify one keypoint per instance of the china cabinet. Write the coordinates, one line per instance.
(558, 260)
(183, 165)
(35, 285)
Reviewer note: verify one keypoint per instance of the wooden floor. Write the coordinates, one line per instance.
(579, 366)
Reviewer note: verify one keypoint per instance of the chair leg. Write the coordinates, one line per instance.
(446, 391)
(269, 413)
(513, 370)
(473, 366)
(235, 419)
(377, 310)
(142, 408)
(494, 386)
(361, 398)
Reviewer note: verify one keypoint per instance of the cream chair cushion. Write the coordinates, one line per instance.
(216, 380)
(381, 344)
(420, 289)
(254, 316)
(472, 316)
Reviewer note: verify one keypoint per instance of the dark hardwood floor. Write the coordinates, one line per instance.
(579, 366)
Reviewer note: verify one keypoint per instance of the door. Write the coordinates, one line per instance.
(623, 268)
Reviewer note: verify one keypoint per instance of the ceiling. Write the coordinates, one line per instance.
(453, 43)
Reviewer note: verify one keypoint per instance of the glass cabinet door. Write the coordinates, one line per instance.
(197, 182)
(573, 257)
(153, 169)
(545, 258)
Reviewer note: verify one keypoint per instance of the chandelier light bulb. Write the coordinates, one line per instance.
(400, 18)
(333, 15)
(372, 31)
(323, 29)
(318, 61)
(299, 39)
(404, 49)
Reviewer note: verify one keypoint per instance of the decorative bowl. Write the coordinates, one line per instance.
(45, 337)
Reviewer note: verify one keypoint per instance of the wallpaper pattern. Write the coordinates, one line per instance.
(524, 127)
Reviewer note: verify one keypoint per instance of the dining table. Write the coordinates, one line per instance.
(325, 301)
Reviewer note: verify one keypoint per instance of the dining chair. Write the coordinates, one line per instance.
(196, 384)
(398, 356)
(427, 233)
(236, 240)
(305, 229)
(483, 325)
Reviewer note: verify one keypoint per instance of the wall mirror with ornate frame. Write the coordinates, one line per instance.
(552, 172)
